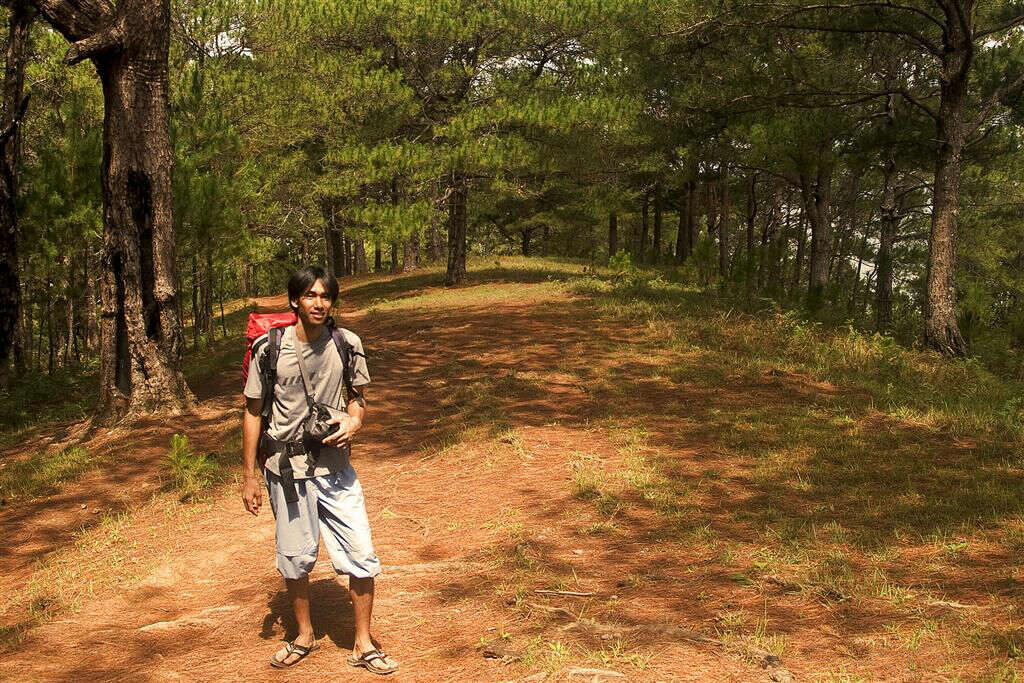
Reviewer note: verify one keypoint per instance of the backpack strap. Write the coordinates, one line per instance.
(268, 367)
(347, 353)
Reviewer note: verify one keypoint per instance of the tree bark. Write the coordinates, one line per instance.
(684, 207)
(377, 264)
(245, 280)
(656, 243)
(10, 155)
(411, 253)
(691, 217)
(748, 254)
(641, 247)
(206, 292)
(817, 195)
(613, 234)
(435, 243)
(941, 330)
(141, 348)
(360, 257)
(340, 247)
(69, 311)
(457, 227)
(887, 237)
(195, 301)
(723, 228)
(330, 254)
(801, 246)
(769, 235)
(49, 331)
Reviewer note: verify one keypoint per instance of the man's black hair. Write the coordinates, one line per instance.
(302, 279)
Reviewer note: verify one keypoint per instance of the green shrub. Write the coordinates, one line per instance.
(621, 262)
(191, 473)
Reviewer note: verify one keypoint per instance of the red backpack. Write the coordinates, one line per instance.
(259, 325)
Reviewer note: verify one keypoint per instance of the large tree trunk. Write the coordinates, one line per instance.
(641, 247)
(691, 217)
(10, 153)
(941, 331)
(613, 234)
(861, 253)
(435, 243)
(656, 245)
(684, 207)
(330, 252)
(723, 228)
(244, 276)
(411, 253)
(377, 264)
(91, 324)
(52, 346)
(748, 253)
(886, 239)
(798, 260)
(457, 227)
(817, 196)
(780, 262)
(140, 366)
(195, 300)
(339, 246)
(206, 292)
(69, 311)
(769, 236)
(360, 257)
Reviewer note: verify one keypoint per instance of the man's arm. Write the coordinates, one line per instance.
(349, 424)
(251, 423)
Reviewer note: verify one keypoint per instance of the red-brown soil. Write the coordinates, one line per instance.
(468, 523)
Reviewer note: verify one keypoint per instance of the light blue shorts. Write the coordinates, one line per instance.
(330, 506)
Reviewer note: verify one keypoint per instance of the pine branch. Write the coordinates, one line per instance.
(1015, 21)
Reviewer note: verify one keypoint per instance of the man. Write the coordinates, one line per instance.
(326, 499)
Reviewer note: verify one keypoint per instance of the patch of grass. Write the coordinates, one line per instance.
(191, 474)
(590, 482)
(43, 472)
(1001, 642)
(772, 643)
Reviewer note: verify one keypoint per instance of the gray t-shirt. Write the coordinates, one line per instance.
(323, 363)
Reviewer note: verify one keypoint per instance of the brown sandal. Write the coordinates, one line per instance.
(292, 649)
(375, 662)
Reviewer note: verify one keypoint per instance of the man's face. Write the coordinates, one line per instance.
(315, 304)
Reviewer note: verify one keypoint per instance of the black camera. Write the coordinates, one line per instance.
(317, 426)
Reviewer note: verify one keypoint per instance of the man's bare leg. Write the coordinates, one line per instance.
(361, 592)
(298, 592)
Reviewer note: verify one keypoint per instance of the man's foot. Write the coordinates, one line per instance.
(374, 661)
(293, 653)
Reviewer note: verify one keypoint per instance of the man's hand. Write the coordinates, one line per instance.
(252, 496)
(347, 428)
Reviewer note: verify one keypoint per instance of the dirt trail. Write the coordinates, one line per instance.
(462, 532)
